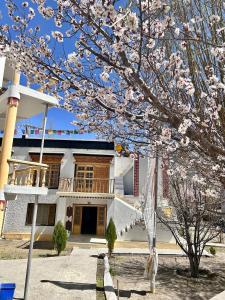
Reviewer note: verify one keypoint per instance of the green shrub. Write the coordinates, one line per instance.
(112, 271)
(59, 237)
(212, 250)
(111, 236)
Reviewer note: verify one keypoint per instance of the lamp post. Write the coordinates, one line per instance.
(34, 218)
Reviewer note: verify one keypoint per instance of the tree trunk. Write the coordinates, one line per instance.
(194, 265)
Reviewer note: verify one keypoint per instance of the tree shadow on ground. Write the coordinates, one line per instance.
(72, 285)
(131, 268)
(194, 289)
(130, 271)
(49, 255)
(42, 245)
(87, 286)
(128, 293)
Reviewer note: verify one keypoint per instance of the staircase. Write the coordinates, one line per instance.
(126, 216)
(131, 200)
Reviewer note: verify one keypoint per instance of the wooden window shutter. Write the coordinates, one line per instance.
(101, 171)
(30, 209)
(51, 214)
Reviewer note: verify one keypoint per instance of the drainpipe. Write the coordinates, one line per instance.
(7, 140)
(34, 219)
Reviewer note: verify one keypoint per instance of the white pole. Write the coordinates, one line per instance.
(154, 251)
(156, 197)
(27, 280)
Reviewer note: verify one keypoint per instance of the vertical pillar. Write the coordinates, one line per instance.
(136, 176)
(7, 140)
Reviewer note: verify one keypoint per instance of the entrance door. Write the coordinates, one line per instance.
(77, 219)
(101, 221)
(89, 220)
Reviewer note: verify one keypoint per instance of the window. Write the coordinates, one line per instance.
(45, 214)
(53, 172)
(84, 178)
(52, 176)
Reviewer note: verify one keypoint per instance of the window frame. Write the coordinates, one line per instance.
(49, 179)
(84, 182)
(30, 210)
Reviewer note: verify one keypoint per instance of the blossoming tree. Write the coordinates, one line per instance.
(138, 70)
(194, 219)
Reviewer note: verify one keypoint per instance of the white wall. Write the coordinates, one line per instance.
(138, 233)
(124, 214)
(143, 168)
(110, 210)
(61, 209)
(122, 165)
(128, 182)
(112, 169)
(17, 210)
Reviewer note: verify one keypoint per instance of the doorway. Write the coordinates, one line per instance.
(89, 220)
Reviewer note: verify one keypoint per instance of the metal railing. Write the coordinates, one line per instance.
(25, 173)
(87, 185)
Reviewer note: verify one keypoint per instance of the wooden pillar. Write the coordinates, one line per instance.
(7, 140)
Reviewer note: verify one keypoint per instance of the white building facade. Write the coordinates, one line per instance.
(87, 185)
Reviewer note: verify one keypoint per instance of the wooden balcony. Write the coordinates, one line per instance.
(88, 185)
(26, 177)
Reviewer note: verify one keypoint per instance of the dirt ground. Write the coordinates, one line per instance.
(129, 270)
(19, 249)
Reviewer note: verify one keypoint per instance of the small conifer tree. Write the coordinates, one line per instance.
(111, 236)
(59, 237)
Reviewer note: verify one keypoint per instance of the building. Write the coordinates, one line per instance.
(17, 102)
(87, 184)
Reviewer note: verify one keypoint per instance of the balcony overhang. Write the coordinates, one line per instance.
(31, 102)
(25, 190)
(26, 178)
(86, 195)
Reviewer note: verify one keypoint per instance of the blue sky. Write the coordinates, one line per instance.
(58, 119)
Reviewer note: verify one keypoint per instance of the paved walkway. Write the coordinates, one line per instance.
(65, 277)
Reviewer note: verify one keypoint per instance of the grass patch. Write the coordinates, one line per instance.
(20, 249)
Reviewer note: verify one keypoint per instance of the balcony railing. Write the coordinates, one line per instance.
(25, 173)
(87, 185)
